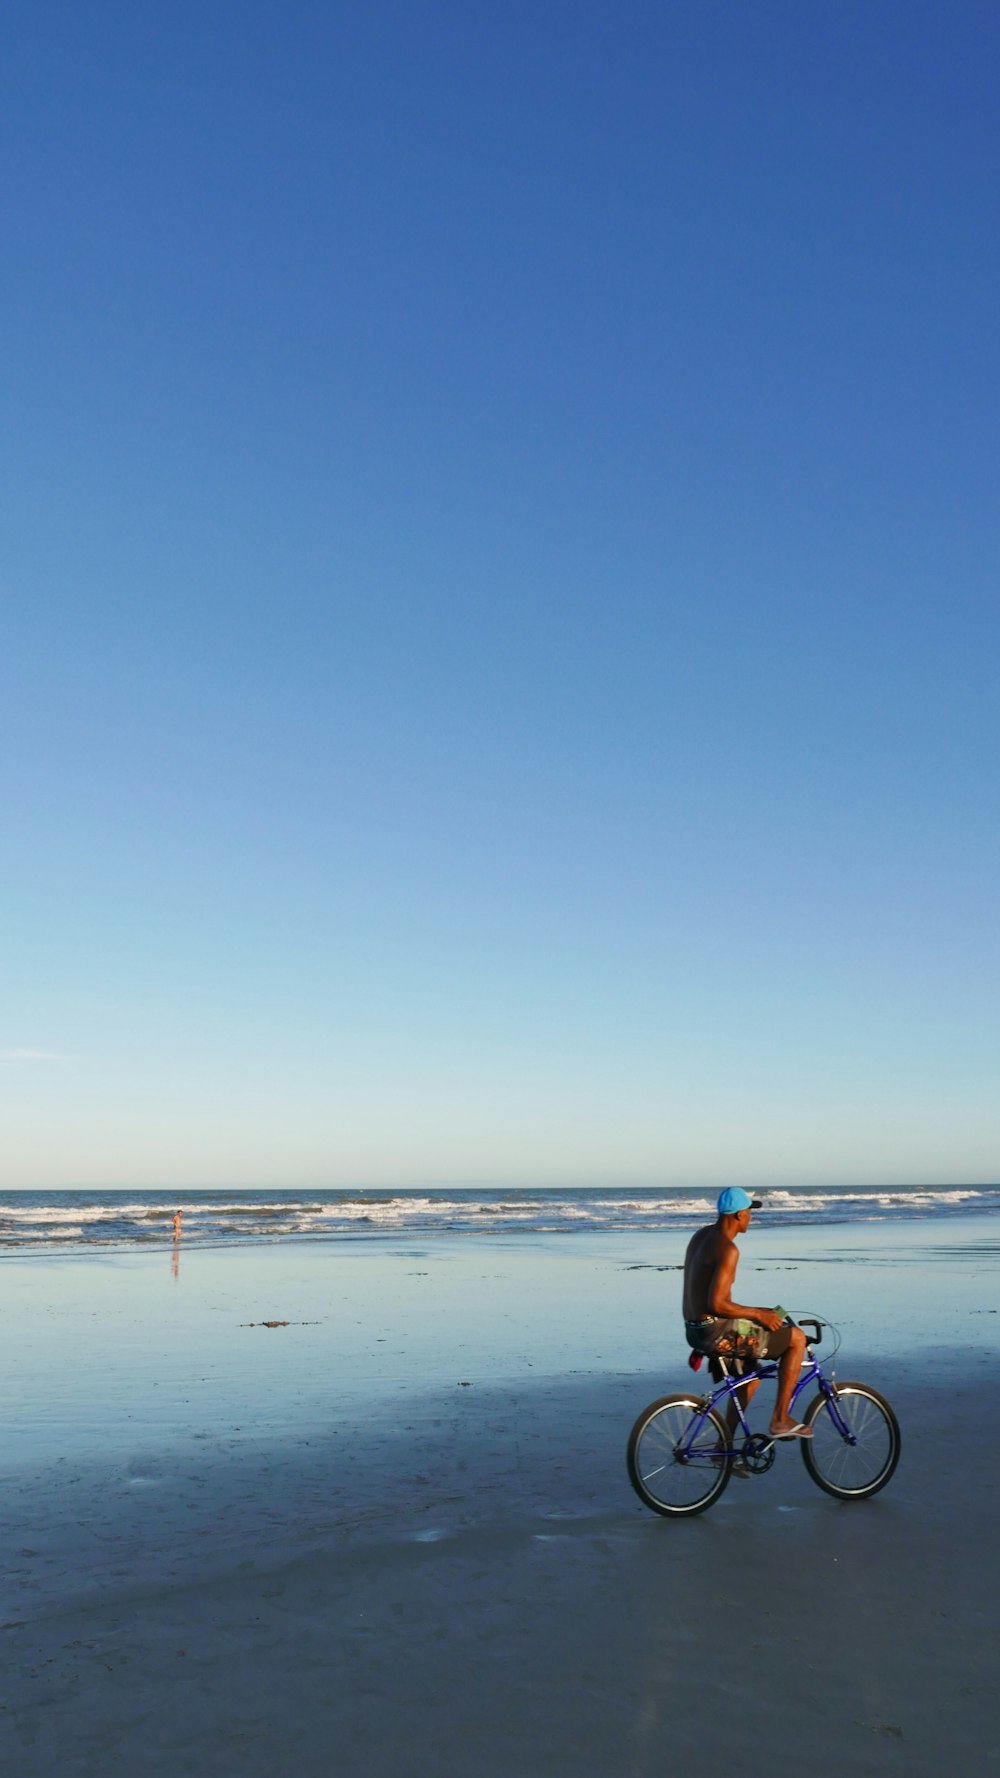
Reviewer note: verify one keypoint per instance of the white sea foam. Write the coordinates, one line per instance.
(132, 1218)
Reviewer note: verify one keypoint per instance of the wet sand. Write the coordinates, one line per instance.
(397, 1536)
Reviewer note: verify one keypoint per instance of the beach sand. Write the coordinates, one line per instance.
(397, 1535)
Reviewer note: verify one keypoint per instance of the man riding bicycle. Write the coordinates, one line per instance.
(721, 1328)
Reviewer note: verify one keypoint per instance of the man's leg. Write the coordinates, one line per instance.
(788, 1345)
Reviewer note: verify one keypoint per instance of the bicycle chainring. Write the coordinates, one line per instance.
(758, 1453)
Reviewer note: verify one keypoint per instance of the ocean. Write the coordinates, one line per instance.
(140, 1219)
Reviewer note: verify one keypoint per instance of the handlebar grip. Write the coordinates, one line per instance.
(809, 1321)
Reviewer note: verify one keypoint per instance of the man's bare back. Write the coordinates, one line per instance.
(701, 1262)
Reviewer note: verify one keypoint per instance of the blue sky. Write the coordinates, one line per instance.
(498, 669)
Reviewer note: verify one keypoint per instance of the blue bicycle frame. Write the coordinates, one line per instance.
(729, 1390)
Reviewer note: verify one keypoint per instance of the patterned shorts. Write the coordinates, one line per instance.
(720, 1337)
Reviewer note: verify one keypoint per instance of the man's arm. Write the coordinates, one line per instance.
(720, 1300)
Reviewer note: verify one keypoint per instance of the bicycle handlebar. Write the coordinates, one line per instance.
(810, 1321)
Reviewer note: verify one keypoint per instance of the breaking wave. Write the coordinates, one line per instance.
(137, 1219)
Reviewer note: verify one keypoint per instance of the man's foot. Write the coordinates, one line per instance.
(790, 1429)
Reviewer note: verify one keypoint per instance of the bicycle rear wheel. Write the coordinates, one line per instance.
(674, 1464)
(851, 1470)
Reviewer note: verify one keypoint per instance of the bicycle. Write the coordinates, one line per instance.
(680, 1458)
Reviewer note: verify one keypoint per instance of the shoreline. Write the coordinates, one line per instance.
(67, 1220)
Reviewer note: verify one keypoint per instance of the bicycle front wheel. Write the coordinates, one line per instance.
(857, 1465)
(676, 1460)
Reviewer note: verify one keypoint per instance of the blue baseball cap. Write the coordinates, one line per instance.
(734, 1199)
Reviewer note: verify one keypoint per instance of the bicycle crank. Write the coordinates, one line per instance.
(758, 1453)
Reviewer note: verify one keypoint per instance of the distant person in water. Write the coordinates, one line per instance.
(721, 1328)
(177, 1224)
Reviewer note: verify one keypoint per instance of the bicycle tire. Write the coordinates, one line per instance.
(677, 1488)
(852, 1472)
